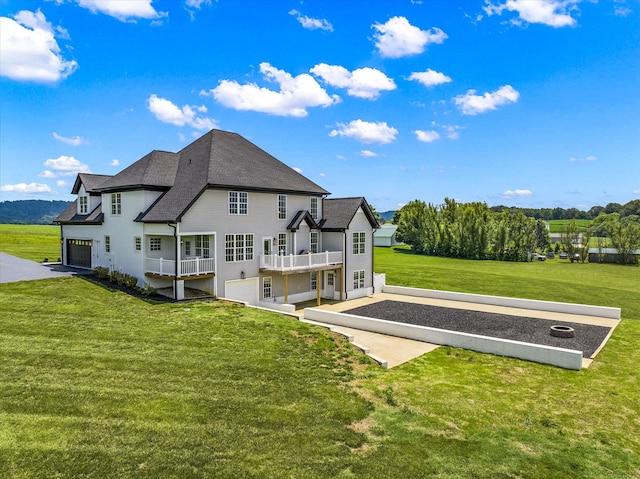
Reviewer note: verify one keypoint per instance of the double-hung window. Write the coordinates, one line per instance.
(359, 241)
(107, 244)
(238, 202)
(238, 247)
(266, 287)
(282, 207)
(313, 207)
(313, 241)
(116, 204)
(137, 242)
(358, 279)
(202, 246)
(83, 201)
(314, 281)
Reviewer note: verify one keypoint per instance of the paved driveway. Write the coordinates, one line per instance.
(17, 269)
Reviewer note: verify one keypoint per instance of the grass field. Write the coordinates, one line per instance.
(559, 226)
(98, 384)
(33, 242)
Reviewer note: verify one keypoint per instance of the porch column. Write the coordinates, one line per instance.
(286, 289)
(318, 285)
(342, 283)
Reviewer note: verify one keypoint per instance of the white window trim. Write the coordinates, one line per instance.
(362, 243)
(358, 279)
(83, 205)
(116, 204)
(282, 212)
(238, 203)
(137, 244)
(311, 203)
(155, 243)
(107, 244)
(246, 250)
(317, 248)
(267, 282)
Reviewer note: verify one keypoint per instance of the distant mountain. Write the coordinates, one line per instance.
(31, 212)
(387, 215)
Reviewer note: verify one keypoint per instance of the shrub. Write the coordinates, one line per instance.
(129, 281)
(147, 290)
(101, 272)
(115, 277)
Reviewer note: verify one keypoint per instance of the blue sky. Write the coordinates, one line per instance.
(528, 103)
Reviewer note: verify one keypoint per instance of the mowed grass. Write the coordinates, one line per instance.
(32, 242)
(454, 413)
(99, 384)
(560, 226)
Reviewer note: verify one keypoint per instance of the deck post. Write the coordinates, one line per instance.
(318, 285)
(286, 289)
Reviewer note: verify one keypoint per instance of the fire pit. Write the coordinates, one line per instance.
(562, 331)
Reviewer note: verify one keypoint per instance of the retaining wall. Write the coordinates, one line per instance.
(564, 358)
(569, 308)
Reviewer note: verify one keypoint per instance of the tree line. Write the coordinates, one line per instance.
(31, 212)
(628, 209)
(476, 231)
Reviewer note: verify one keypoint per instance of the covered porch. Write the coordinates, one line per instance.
(179, 256)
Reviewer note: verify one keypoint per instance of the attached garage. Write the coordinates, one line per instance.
(79, 253)
(243, 290)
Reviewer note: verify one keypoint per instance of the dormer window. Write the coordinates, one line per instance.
(83, 204)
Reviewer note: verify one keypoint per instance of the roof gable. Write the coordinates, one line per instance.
(300, 216)
(154, 170)
(338, 212)
(90, 181)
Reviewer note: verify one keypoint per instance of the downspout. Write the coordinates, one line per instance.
(344, 260)
(62, 258)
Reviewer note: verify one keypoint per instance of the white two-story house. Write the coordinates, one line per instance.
(222, 216)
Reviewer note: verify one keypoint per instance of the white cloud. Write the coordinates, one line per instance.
(472, 104)
(426, 136)
(555, 13)
(398, 38)
(368, 153)
(123, 10)
(636, 192)
(75, 141)
(517, 193)
(312, 23)
(452, 131)
(296, 94)
(299, 170)
(167, 112)
(115, 162)
(430, 77)
(67, 166)
(362, 83)
(47, 174)
(366, 132)
(30, 51)
(197, 3)
(622, 11)
(61, 183)
(582, 160)
(24, 188)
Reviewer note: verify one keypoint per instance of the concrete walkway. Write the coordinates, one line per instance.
(14, 269)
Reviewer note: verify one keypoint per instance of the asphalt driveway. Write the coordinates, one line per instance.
(14, 269)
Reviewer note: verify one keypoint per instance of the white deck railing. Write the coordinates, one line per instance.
(308, 261)
(188, 267)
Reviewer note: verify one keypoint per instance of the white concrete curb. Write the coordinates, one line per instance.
(569, 308)
(564, 358)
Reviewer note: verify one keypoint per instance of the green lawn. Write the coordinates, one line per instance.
(99, 384)
(33, 242)
(559, 226)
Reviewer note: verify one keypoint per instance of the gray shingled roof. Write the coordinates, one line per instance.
(222, 159)
(90, 182)
(156, 170)
(338, 212)
(70, 215)
(300, 216)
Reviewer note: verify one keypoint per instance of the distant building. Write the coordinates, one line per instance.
(610, 255)
(386, 236)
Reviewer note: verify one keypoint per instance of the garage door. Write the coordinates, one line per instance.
(242, 290)
(79, 253)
